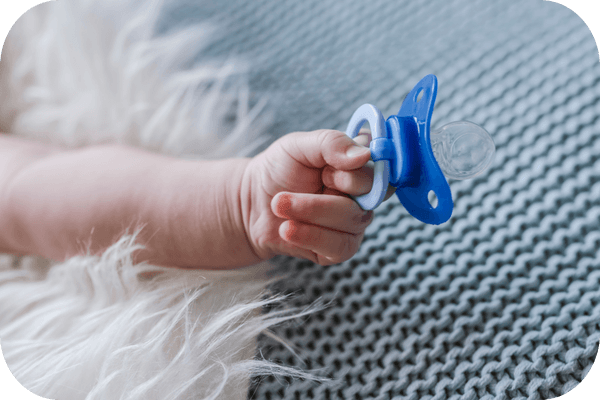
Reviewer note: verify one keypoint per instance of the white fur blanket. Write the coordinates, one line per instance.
(79, 72)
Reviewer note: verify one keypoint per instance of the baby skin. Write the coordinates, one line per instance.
(291, 199)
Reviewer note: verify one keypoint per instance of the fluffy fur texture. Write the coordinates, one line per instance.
(99, 327)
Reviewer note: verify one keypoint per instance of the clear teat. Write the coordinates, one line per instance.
(462, 149)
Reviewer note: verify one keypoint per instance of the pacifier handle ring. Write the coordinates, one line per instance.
(381, 178)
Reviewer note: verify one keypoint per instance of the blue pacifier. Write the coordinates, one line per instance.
(407, 157)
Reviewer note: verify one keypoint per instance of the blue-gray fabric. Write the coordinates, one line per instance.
(502, 301)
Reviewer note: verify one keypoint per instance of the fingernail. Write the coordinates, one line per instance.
(284, 205)
(356, 150)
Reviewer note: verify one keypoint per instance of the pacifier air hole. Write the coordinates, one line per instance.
(419, 96)
(432, 198)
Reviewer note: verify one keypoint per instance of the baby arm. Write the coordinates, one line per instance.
(59, 203)
(202, 214)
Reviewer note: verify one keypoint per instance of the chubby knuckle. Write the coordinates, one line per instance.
(285, 140)
(332, 140)
(326, 136)
(330, 134)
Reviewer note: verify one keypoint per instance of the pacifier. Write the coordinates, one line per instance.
(416, 162)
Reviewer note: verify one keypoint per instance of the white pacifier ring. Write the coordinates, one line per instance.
(381, 178)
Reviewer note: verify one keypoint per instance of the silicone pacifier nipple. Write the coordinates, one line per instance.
(462, 149)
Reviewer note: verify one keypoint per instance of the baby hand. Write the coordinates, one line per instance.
(295, 201)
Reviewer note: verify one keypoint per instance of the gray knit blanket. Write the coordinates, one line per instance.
(503, 300)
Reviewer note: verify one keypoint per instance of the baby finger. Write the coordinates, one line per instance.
(355, 183)
(338, 213)
(333, 245)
